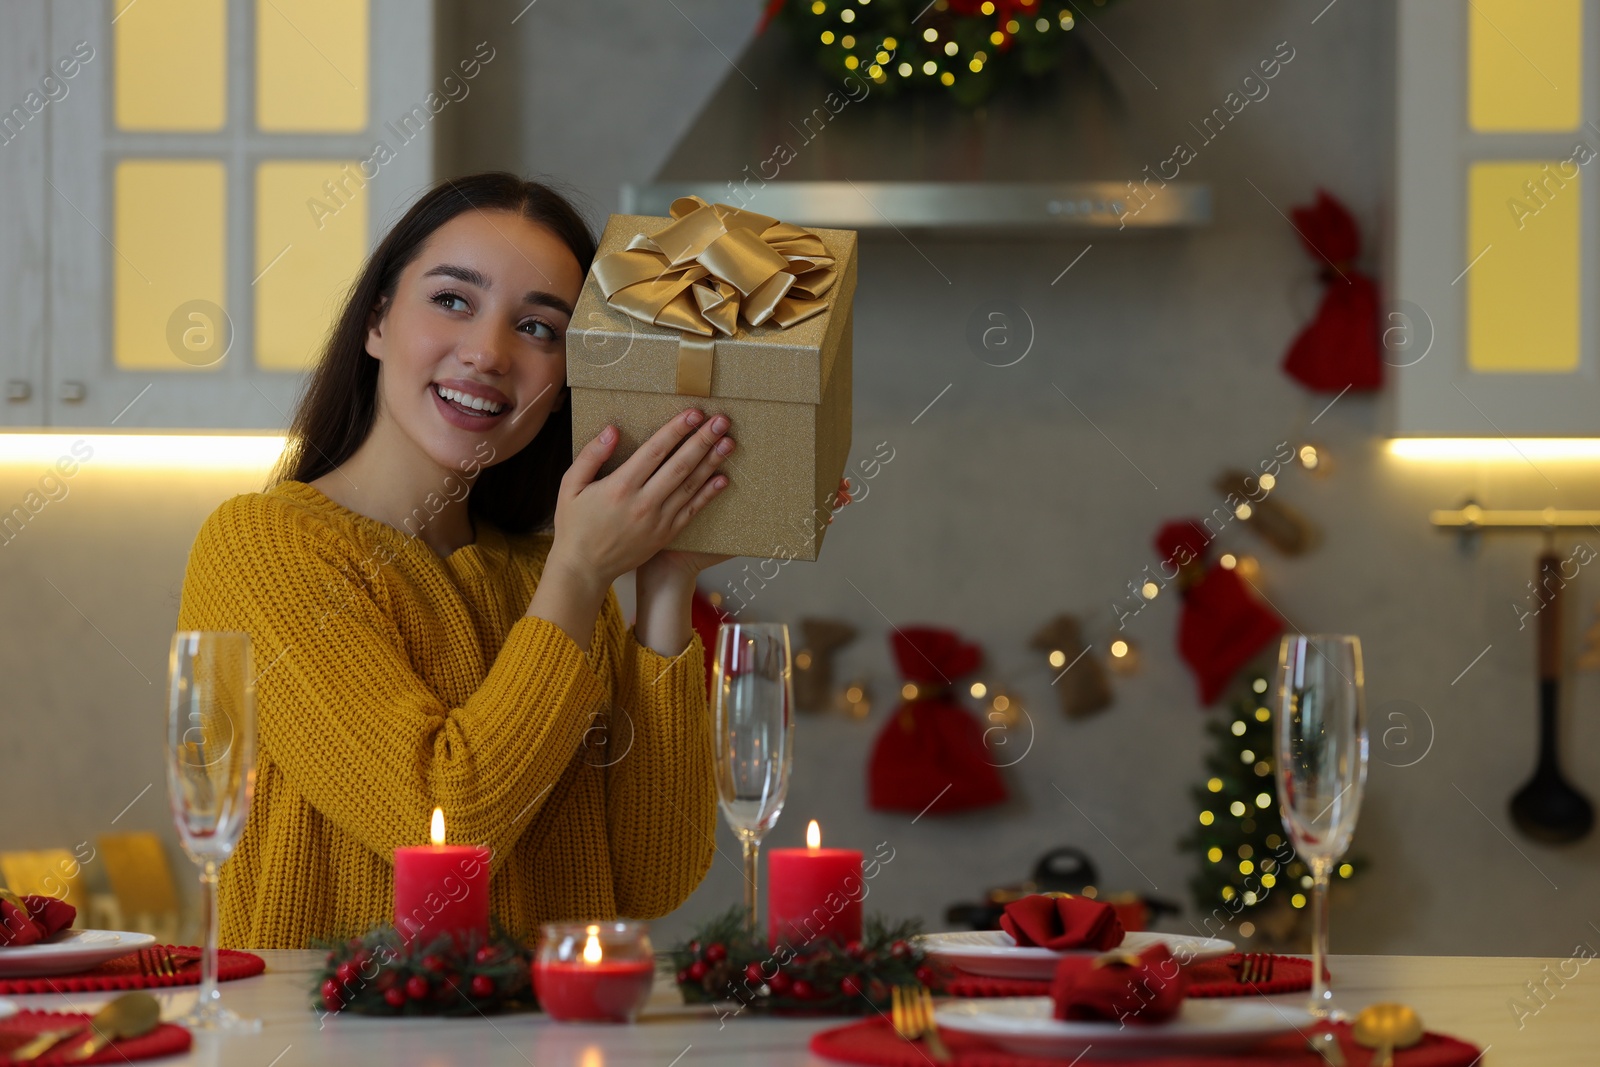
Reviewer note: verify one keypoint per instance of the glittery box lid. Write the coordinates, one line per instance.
(609, 350)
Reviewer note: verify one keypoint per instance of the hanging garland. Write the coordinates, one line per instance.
(723, 963)
(966, 48)
(383, 974)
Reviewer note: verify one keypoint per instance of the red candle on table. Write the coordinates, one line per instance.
(814, 892)
(607, 981)
(441, 889)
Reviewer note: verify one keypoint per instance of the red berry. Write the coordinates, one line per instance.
(697, 970)
(683, 976)
(694, 948)
(850, 985)
(753, 973)
(853, 950)
(330, 996)
(432, 963)
(926, 976)
(485, 954)
(802, 989)
(387, 980)
(347, 973)
(395, 997)
(417, 987)
(482, 986)
(780, 983)
(899, 948)
(716, 952)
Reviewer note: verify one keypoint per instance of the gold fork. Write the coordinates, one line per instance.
(911, 1012)
(1255, 967)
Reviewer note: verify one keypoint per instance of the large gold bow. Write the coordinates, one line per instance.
(712, 267)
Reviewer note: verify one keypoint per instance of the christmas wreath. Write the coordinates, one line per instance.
(384, 974)
(967, 48)
(723, 963)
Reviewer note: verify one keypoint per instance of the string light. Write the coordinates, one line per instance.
(978, 690)
(1259, 685)
(951, 48)
(818, 7)
(1228, 561)
(1237, 808)
(847, 15)
(1214, 785)
(930, 35)
(827, 36)
(1057, 658)
(1206, 818)
(1263, 714)
(1237, 729)
(1214, 854)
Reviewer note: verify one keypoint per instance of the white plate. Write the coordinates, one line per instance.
(8, 1008)
(1023, 1025)
(995, 954)
(69, 952)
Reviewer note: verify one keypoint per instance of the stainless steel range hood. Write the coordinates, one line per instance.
(779, 138)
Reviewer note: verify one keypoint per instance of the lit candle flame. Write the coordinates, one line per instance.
(813, 835)
(437, 830)
(591, 948)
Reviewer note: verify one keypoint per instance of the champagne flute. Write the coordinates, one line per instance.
(1322, 769)
(211, 741)
(753, 728)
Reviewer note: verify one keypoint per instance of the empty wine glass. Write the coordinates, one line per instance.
(753, 726)
(211, 742)
(1322, 769)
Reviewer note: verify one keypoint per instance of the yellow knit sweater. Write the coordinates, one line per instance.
(391, 680)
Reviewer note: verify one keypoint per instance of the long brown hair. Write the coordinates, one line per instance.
(340, 402)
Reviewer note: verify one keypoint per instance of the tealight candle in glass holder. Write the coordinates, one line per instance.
(594, 972)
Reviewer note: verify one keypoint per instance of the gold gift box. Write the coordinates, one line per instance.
(786, 392)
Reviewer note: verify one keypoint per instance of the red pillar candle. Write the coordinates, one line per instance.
(814, 892)
(441, 889)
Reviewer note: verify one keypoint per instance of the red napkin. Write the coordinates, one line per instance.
(1144, 988)
(1062, 922)
(29, 919)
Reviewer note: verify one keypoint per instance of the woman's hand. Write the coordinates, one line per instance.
(608, 526)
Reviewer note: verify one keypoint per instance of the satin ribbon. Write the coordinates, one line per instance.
(712, 268)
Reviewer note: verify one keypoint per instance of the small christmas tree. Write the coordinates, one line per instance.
(1249, 877)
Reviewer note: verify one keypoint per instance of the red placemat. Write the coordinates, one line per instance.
(874, 1042)
(1208, 978)
(124, 973)
(165, 1040)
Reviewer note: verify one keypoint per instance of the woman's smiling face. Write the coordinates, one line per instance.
(472, 349)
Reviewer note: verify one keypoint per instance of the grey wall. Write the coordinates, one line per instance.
(1003, 505)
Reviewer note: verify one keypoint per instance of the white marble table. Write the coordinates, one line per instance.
(1470, 997)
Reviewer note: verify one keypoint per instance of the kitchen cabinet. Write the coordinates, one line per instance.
(200, 188)
(1492, 322)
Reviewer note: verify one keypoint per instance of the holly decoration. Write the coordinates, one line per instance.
(723, 963)
(383, 974)
(966, 48)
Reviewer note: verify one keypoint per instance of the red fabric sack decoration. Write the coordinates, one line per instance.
(705, 618)
(1221, 625)
(1145, 988)
(1339, 347)
(30, 919)
(1062, 922)
(930, 754)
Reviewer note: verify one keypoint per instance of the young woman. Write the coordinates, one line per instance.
(424, 638)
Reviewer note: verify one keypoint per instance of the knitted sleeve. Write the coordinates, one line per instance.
(348, 719)
(661, 795)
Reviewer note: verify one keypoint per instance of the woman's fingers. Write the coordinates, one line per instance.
(706, 493)
(680, 467)
(699, 475)
(586, 465)
(638, 468)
